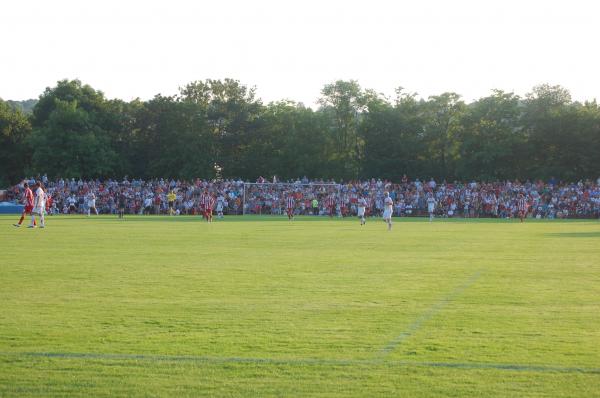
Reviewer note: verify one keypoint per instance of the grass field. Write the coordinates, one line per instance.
(160, 306)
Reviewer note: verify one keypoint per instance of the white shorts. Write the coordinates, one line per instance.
(387, 214)
(430, 208)
(92, 204)
(38, 210)
(361, 211)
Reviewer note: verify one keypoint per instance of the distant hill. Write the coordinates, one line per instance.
(24, 106)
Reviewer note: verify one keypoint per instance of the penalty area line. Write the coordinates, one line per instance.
(427, 315)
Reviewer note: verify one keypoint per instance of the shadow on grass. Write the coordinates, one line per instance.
(595, 234)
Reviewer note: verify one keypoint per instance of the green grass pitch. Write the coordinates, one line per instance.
(172, 306)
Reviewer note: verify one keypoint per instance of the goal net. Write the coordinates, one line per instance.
(271, 198)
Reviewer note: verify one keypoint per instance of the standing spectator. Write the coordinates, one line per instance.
(157, 203)
(147, 205)
(315, 207)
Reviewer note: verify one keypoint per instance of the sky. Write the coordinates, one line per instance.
(291, 49)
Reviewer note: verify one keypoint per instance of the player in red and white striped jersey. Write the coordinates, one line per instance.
(290, 205)
(330, 204)
(28, 202)
(204, 202)
(208, 210)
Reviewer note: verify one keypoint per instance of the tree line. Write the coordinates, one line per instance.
(220, 129)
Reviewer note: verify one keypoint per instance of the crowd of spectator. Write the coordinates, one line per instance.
(545, 199)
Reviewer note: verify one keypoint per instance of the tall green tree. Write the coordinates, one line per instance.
(15, 130)
(218, 128)
(587, 155)
(171, 140)
(443, 123)
(492, 142)
(290, 142)
(120, 122)
(70, 144)
(231, 111)
(345, 102)
(70, 135)
(547, 119)
(393, 136)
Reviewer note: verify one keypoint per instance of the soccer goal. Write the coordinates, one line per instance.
(271, 198)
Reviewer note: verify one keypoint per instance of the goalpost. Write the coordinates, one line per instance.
(270, 198)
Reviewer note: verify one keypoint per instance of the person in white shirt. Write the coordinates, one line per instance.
(221, 202)
(91, 204)
(430, 206)
(39, 206)
(147, 205)
(71, 200)
(388, 205)
(361, 208)
(452, 209)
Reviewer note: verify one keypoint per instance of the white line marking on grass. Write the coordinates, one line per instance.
(427, 315)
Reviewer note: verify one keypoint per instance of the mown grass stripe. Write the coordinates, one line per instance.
(302, 361)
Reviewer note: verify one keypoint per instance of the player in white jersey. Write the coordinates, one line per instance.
(91, 199)
(39, 206)
(388, 206)
(71, 200)
(220, 205)
(362, 208)
(430, 206)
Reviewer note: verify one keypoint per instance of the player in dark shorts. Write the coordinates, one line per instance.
(121, 202)
(72, 207)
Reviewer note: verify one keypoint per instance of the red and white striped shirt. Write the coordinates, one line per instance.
(211, 202)
(330, 201)
(290, 202)
(522, 204)
(205, 200)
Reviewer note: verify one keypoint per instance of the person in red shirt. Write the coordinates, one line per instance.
(28, 202)
(49, 202)
(157, 202)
